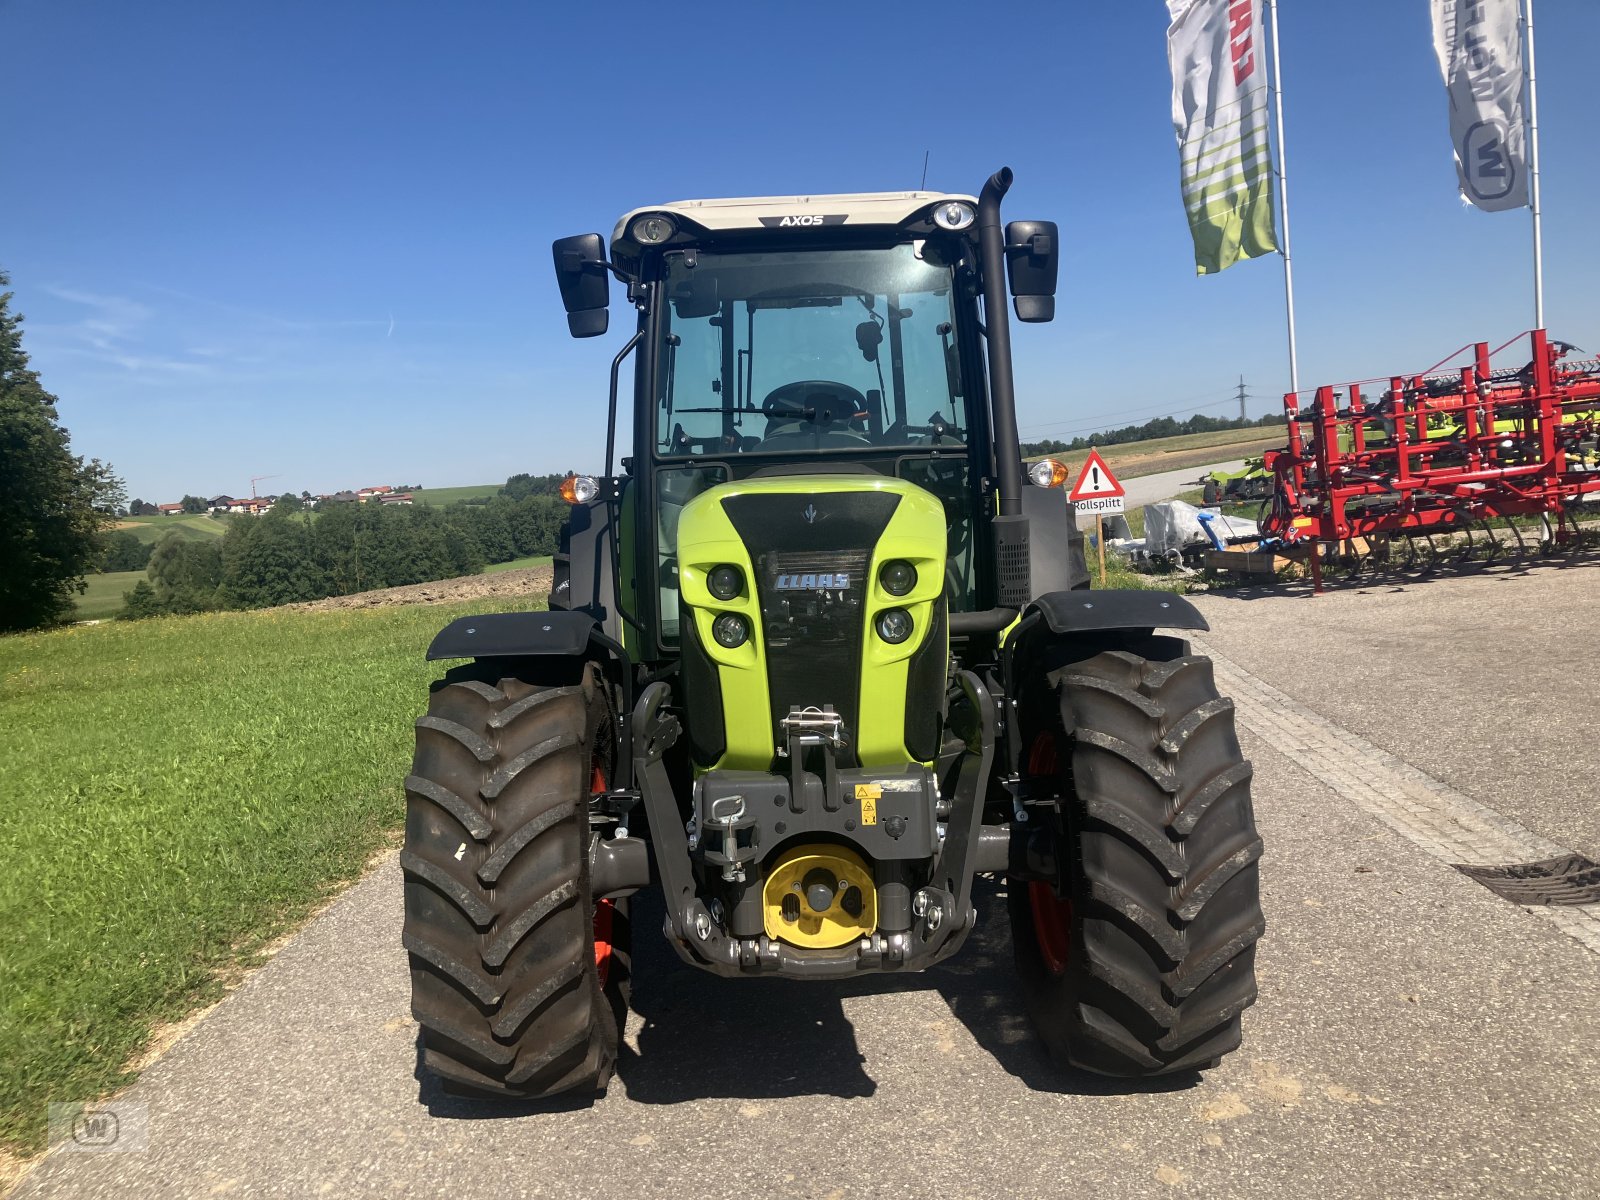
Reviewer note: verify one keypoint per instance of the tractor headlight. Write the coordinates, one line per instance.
(894, 625)
(731, 631)
(652, 230)
(1048, 473)
(897, 577)
(579, 489)
(953, 215)
(725, 582)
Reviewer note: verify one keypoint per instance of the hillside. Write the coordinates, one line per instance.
(104, 595)
(190, 525)
(521, 588)
(454, 495)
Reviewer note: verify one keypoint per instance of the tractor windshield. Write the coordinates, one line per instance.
(812, 351)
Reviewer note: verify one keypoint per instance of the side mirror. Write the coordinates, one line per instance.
(1032, 253)
(585, 282)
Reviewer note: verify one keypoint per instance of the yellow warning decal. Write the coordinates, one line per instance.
(869, 794)
(1304, 522)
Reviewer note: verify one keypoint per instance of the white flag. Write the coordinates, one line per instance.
(1219, 109)
(1479, 46)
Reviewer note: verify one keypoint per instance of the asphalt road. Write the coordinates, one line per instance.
(1415, 1036)
(1147, 489)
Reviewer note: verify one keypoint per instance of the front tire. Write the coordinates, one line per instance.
(516, 975)
(1139, 958)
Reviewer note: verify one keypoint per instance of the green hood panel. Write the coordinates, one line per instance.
(809, 549)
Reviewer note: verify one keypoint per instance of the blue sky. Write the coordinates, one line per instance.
(311, 240)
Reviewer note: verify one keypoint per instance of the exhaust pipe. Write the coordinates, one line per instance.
(997, 319)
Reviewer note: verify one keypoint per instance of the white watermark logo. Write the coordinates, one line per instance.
(110, 1126)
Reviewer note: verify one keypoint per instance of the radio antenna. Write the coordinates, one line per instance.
(923, 186)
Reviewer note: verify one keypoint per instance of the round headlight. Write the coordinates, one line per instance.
(731, 630)
(897, 577)
(579, 489)
(953, 215)
(651, 231)
(725, 582)
(1048, 473)
(894, 625)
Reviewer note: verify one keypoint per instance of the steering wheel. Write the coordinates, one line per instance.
(819, 401)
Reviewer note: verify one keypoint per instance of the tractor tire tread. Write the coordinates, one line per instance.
(1161, 863)
(499, 921)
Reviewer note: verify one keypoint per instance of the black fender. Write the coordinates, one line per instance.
(1079, 612)
(558, 634)
(1095, 610)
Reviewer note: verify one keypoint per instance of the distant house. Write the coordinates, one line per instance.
(345, 497)
(219, 503)
(368, 493)
(395, 498)
(251, 504)
(170, 510)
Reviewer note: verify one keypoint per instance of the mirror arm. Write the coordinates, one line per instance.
(611, 416)
(571, 262)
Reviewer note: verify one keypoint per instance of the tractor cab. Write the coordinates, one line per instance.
(804, 335)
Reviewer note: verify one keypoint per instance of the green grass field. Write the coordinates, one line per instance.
(104, 595)
(190, 525)
(176, 792)
(517, 564)
(1133, 459)
(454, 495)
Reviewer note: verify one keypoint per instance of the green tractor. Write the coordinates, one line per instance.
(816, 659)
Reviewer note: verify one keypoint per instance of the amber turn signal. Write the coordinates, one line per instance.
(579, 489)
(1048, 472)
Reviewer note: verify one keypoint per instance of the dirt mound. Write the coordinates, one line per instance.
(531, 583)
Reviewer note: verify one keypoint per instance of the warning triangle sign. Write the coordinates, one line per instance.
(1096, 482)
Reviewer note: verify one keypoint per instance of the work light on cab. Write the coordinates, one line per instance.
(725, 582)
(1048, 473)
(579, 489)
(652, 230)
(953, 215)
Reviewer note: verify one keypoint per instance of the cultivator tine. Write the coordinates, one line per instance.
(1490, 544)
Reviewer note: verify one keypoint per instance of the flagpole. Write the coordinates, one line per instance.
(1283, 198)
(1533, 178)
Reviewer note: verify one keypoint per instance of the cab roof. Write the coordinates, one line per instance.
(854, 210)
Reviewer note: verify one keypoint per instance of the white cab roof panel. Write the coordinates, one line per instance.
(764, 212)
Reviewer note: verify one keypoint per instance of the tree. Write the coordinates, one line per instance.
(193, 504)
(55, 504)
(186, 573)
(124, 552)
(139, 603)
(271, 561)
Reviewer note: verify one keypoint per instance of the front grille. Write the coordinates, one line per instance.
(813, 632)
(811, 555)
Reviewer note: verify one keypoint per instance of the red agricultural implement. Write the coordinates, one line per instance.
(1470, 465)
